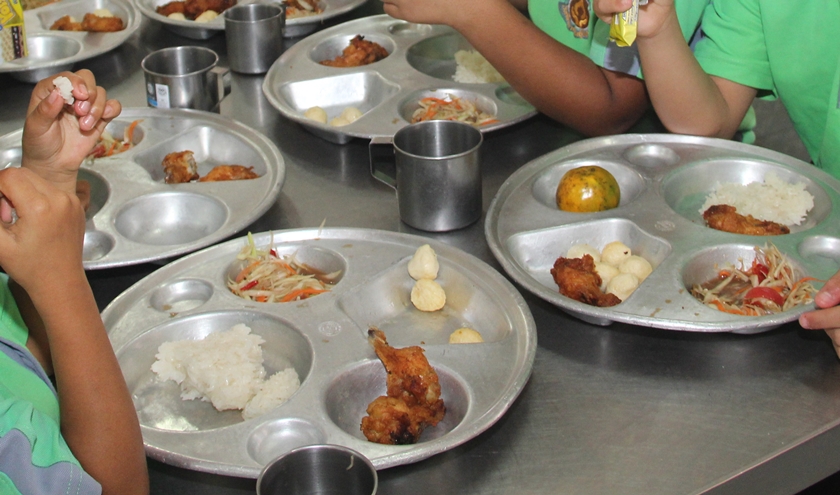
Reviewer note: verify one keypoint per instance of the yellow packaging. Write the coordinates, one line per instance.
(12, 32)
(623, 27)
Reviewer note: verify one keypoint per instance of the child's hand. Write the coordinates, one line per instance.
(446, 12)
(44, 246)
(56, 137)
(651, 16)
(828, 317)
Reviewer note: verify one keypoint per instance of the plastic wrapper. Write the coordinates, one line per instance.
(623, 27)
(12, 32)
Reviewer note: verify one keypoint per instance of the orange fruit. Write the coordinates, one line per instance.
(588, 189)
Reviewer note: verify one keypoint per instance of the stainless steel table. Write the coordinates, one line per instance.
(615, 410)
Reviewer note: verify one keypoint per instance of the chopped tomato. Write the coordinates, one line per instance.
(764, 293)
(759, 270)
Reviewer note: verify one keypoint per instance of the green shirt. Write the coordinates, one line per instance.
(786, 49)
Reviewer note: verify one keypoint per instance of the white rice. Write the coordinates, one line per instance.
(772, 200)
(65, 87)
(473, 68)
(226, 370)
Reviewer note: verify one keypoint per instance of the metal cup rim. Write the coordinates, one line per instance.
(175, 49)
(341, 448)
(438, 123)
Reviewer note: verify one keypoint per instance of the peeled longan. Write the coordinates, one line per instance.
(606, 272)
(622, 285)
(351, 114)
(424, 263)
(339, 121)
(207, 16)
(317, 114)
(428, 295)
(465, 336)
(578, 250)
(637, 266)
(615, 252)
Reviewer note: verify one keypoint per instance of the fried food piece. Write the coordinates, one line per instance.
(172, 8)
(725, 218)
(413, 401)
(95, 24)
(578, 280)
(195, 8)
(358, 52)
(66, 23)
(180, 167)
(301, 8)
(229, 172)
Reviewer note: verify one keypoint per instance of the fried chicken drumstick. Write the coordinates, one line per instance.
(413, 401)
(725, 218)
(578, 280)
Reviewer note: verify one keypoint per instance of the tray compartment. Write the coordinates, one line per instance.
(276, 437)
(435, 56)
(333, 47)
(822, 250)
(630, 182)
(170, 218)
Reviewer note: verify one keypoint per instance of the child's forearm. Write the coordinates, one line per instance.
(686, 99)
(557, 80)
(98, 419)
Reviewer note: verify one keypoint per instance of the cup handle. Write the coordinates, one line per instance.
(383, 165)
(223, 81)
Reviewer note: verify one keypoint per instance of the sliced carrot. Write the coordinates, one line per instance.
(291, 296)
(245, 271)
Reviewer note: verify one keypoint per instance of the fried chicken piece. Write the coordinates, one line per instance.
(413, 401)
(66, 23)
(725, 218)
(358, 52)
(578, 280)
(95, 24)
(195, 8)
(172, 8)
(180, 167)
(229, 172)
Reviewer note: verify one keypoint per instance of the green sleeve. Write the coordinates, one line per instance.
(12, 326)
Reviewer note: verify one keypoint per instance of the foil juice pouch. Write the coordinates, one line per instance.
(623, 27)
(12, 33)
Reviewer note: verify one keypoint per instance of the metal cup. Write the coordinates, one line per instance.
(185, 77)
(254, 35)
(437, 173)
(318, 470)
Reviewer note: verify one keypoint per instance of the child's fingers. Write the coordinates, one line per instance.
(829, 295)
(95, 106)
(821, 319)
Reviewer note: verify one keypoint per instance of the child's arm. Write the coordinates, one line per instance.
(828, 316)
(560, 82)
(686, 99)
(57, 137)
(42, 251)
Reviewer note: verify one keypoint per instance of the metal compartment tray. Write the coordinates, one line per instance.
(56, 51)
(324, 338)
(420, 63)
(664, 181)
(298, 26)
(135, 217)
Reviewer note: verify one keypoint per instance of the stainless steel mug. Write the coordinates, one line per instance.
(185, 77)
(436, 172)
(254, 35)
(318, 469)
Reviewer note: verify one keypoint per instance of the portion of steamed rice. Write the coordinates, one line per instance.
(473, 68)
(773, 200)
(226, 370)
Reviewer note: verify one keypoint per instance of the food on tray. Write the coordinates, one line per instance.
(428, 295)
(773, 200)
(229, 172)
(588, 189)
(619, 272)
(180, 167)
(271, 277)
(358, 52)
(195, 10)
(451, 108)
(424, 263)
(301, 8)
(226, 369)
(769, 285)
(317, 114)
(472, 67)
(725, 218)
(107, 145)
(65, 88)
(100, 21)
(465, 336)
(578, 280)
(413, 398)
(347, 116)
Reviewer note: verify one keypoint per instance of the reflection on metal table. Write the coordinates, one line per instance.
(619, 409)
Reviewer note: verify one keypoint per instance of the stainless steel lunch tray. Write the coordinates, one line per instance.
(664, 181)
(324, 338)
(135, 217)
(299, 26)
(420, 63)
(56, 51)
